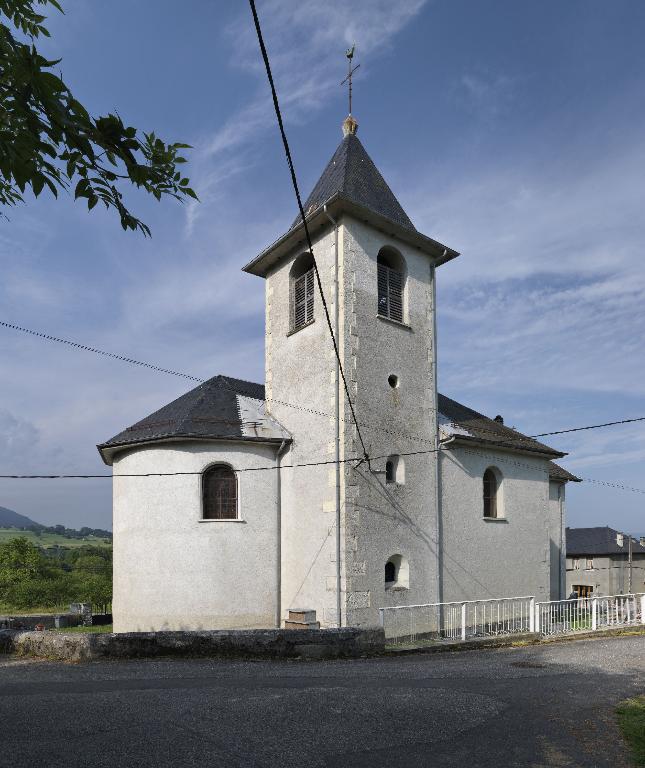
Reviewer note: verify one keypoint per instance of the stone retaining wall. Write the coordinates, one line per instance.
(261, 643)
(48, 620)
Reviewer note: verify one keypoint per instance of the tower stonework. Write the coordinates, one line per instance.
(345, 523)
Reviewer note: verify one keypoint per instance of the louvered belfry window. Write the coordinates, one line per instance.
(219, 493)
(390, 293)
(303, 300)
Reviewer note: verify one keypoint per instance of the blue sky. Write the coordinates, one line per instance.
(511, 131)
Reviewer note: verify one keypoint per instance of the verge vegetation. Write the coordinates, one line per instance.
(32, 577)
(631, 720)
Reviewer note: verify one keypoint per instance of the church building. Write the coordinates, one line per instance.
(240, 501)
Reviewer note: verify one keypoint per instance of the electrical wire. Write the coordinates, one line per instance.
(294, 181)
(314, 411)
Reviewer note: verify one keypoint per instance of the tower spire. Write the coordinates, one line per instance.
(350, 125)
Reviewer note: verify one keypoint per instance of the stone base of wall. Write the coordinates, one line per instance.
(260, 643)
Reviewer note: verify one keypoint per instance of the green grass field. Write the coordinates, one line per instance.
(631, 719)
(49, 540)
(103, 628)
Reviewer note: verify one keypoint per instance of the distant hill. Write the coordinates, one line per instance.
(13, 524)
(11, 519)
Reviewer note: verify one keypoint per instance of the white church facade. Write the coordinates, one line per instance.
(240, 501)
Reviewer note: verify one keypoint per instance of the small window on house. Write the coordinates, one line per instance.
(219, 493)
(393, 380)
(491, 506)
(302, 291)
(389, 472)
(391, 284)
(576, 564)
(390, 573)
(589, 565)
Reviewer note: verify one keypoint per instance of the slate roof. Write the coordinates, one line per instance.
(224, 408)
(599, 541)
(352, 174)
(556, 472)
(221, 408)
(464, 424)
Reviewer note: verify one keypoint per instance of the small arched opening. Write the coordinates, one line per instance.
(397, 573)
(395, 470)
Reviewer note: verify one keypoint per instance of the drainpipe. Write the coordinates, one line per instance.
(337, 417)
(278, 574)
(563, 554)
(437, 446)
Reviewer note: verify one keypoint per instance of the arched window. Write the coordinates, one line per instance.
(219, 493)
(301, 289)
(394, 470)
(391, 284)
(397, 573)
(491, 487)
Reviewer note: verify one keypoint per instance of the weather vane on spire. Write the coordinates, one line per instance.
(350, 71)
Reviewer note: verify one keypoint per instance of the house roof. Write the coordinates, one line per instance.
(224, 408)
(556, 472)
(599, 541)
(352, 174)
(221, 408)
(462, 424)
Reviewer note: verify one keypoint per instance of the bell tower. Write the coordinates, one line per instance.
(356, 534)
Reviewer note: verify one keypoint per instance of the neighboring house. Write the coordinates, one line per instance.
(598, 562)
(239, 501)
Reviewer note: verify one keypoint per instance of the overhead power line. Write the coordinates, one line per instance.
(303, 408)
(591, 426)
(296, 189)
(96, 351)
(357, 460)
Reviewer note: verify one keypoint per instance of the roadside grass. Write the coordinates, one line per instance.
(6, 609)
(92, 630)
(631, 720)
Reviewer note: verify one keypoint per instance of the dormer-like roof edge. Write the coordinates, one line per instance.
(336, 206)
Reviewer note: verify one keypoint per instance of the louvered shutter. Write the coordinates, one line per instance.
(303, 300)
(382, 290)
(390, 293)
(309, 294)
(395, 297)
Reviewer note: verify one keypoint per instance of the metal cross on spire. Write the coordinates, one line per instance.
(350, 71)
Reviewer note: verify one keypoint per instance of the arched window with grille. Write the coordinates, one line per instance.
(491, 493)
(302, 292)
(391, 284)
(219, 493)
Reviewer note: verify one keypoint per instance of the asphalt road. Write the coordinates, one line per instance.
(548, 705)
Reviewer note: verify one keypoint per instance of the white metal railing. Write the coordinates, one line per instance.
(589, 614)
(458, 620)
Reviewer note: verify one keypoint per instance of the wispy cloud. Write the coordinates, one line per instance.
(304, 40)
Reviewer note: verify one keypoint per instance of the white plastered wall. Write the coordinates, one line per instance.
(507, 557)
(173, 571)
(300, 386)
